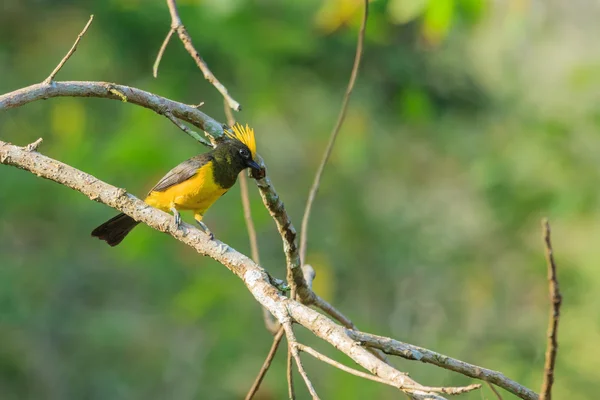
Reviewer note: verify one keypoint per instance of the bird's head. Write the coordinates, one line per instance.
(238, 149)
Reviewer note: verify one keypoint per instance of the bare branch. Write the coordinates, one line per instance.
(324, 358)
(288, 235)
(332, 312)
(293, 347)
(161, 52)
(187, 130)
(555, 303)
(62, 62)
(266, 365)
(342, 115)
(493, 389)
(254, 277)
(286, 230)
(186, 39)
(107, 90)
(341, 366)
(290, 373)
(415, 353)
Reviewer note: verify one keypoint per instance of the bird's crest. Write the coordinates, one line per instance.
(244, 135)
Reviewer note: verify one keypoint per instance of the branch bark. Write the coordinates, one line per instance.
(107, 90)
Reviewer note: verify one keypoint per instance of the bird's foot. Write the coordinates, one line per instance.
(176, 217)
(206, 230)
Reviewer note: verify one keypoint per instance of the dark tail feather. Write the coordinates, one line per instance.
(115, 229)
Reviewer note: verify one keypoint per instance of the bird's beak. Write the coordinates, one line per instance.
(254, 165)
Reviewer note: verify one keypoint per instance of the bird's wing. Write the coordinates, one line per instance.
(182, 172)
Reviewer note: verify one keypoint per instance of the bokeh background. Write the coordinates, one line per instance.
(471, 120)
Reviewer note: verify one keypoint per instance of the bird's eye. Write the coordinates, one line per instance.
(244, 153)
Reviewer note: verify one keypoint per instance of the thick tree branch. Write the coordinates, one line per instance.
(415, 353)
(106, 90)
(555, 303)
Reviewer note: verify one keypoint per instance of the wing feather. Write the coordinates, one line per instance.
(182, 172)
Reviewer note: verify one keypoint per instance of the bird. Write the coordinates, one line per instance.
(194, 185)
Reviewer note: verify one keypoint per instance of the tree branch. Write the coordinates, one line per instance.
(177, 26)
(161, 52)
(293, 350)
(342, 115)
(112, 91)
(555, 303)
(187, 130)
(363, 375)
(415, 353)
(62, 62)
(254, 277)
(266, 364)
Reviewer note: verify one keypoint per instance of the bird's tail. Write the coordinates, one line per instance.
(115, 229)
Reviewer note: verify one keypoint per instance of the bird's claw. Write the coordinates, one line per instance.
(206, 230)
(176, 217)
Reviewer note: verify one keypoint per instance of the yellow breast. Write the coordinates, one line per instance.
(197, 193)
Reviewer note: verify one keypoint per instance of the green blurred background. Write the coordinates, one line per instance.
(470, 121)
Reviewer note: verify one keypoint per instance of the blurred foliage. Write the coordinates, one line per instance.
(470, 121)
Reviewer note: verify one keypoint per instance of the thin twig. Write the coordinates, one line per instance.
(293, 346)
(290, 374)
(342, 115)
(266, 364)
(159, 56)
(341, 366)
(186, 39)
(50, 77)
(555, 303)
(248, 217)
(34, 146)
(493, 389)
(415, 353)
(187, 130)
(332, 312)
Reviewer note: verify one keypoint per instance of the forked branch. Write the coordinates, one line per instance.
(186, 39)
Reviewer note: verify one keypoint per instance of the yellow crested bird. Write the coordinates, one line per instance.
(195, 184)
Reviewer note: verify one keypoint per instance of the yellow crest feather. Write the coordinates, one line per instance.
(244, 135)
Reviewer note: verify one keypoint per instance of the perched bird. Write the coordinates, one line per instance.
(194, 184)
